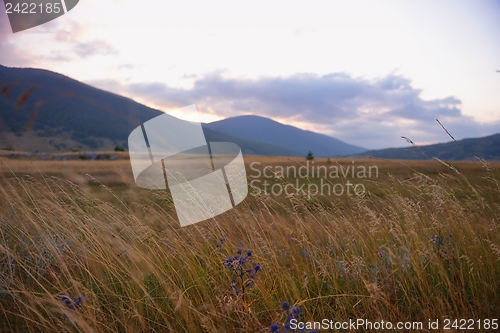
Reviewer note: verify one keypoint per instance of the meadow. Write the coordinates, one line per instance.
(83, 249)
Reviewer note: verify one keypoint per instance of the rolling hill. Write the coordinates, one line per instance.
(487, 147)
(45, 111)
(269, 131)
(44, 104)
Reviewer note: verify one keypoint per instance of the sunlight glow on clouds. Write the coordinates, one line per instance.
(336, 104)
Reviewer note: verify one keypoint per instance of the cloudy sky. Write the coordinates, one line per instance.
(366, 72)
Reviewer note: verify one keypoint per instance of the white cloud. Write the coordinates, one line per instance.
(370, 113)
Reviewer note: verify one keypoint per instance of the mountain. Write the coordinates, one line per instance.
(487, 147)
(40, 103)
(266, 130)
(45, 111)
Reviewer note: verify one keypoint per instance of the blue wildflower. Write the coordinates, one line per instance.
(66, 300)
(69, 302)
(292, 313)
(79, 301)
(296, 311)
(243, 274)
(222, 240)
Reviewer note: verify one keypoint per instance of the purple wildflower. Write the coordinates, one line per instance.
(243, 274)
(69, 302)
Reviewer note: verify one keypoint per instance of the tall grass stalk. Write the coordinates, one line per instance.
(422, 248)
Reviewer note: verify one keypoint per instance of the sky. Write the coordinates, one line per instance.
(366, 72)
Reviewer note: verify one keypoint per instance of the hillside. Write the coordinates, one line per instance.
(52, 105)
(487, 147)
(269, 131)
(45, 111)
(48, 112)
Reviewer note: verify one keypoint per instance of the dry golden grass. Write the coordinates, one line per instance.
(423, 243)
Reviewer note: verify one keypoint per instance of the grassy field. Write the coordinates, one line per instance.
(421, 242)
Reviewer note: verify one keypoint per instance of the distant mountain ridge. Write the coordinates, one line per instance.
(42, 110)
(487, 148)
(45, 111)
(266, 130)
